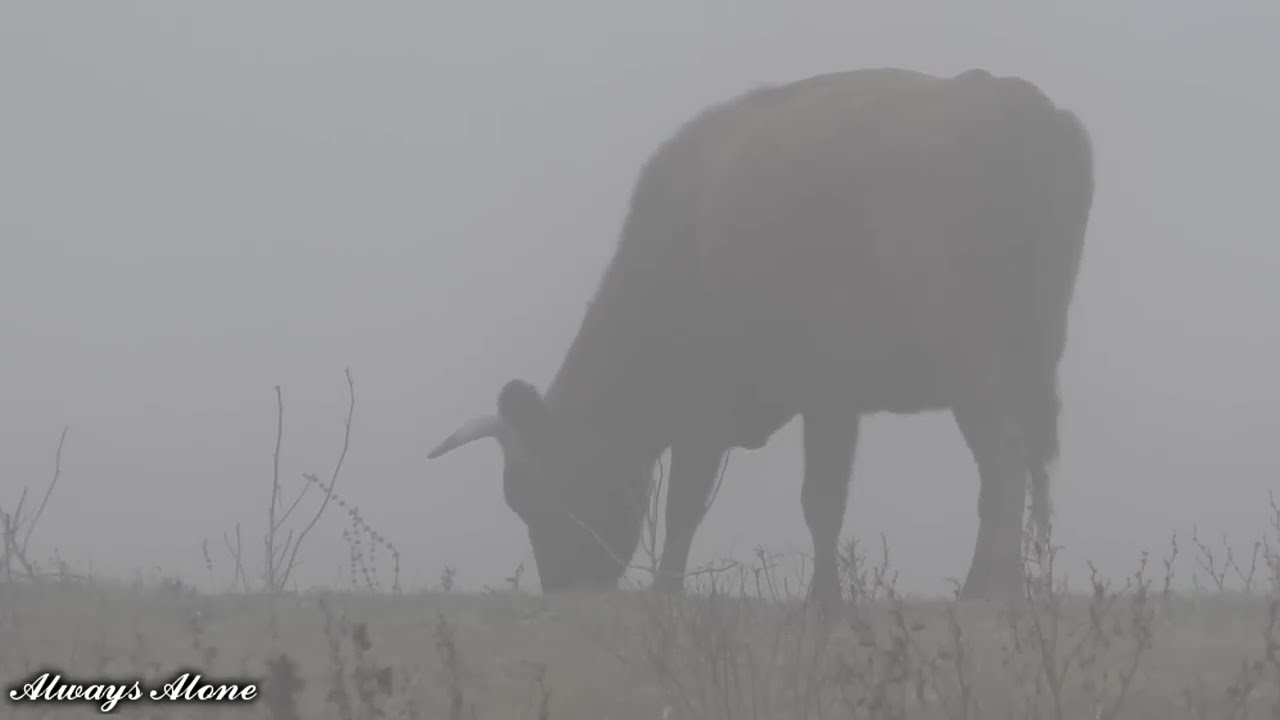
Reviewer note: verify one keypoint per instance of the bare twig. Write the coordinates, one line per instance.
(1207, 561)
(719, 481)
(292, 506)
(1168, 566)
(57, 472)
(11, 550)
(237, 573)
(346, 443)
(17, 513)
(272, 527)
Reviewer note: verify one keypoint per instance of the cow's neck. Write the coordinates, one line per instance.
(610, 386)
(617, 379)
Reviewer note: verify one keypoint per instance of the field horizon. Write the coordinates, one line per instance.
(741, 642)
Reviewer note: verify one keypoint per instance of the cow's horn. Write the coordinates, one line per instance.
(470, 431)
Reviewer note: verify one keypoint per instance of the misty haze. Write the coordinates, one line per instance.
(444, 272)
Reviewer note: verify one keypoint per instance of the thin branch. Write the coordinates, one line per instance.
(244, 581)
(287, 513)
(275, 475)
(57, 472)
(272, 527)
(719, 481)
(346, 443)
(4, 539)
(235, 555)
(16, 517)
(12, 550)
(12, 524)
(284, 549)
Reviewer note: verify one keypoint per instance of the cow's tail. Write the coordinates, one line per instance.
(1040, 333)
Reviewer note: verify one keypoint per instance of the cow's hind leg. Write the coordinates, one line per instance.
(995, 437)
(830, 436)
(694, 469)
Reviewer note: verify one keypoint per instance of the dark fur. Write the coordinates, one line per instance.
(708, 328)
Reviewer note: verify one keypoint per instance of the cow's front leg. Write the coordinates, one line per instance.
(830, 436)
(694, 469)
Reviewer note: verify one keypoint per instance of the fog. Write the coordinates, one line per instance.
(203, 202)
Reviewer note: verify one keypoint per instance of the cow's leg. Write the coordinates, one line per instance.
(830, 436)
(694, 469)
(995, 438)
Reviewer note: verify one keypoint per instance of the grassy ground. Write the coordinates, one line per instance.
(740, 645)
(737, 647)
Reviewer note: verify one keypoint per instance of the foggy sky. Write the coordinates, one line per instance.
(201, 201)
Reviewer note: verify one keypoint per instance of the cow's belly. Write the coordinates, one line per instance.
(773, 381)
(893, 326)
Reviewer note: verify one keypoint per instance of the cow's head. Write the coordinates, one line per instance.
(576, 495)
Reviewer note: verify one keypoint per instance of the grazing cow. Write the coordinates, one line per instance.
(869, 241)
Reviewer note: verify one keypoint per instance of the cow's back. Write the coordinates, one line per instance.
(869, 224)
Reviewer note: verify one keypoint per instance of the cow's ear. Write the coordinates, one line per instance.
(526, 416)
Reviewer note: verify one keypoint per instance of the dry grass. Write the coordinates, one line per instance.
(740, 646)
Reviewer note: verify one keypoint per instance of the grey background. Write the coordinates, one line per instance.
(200, 201)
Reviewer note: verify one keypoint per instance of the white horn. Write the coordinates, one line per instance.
(472, 430)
